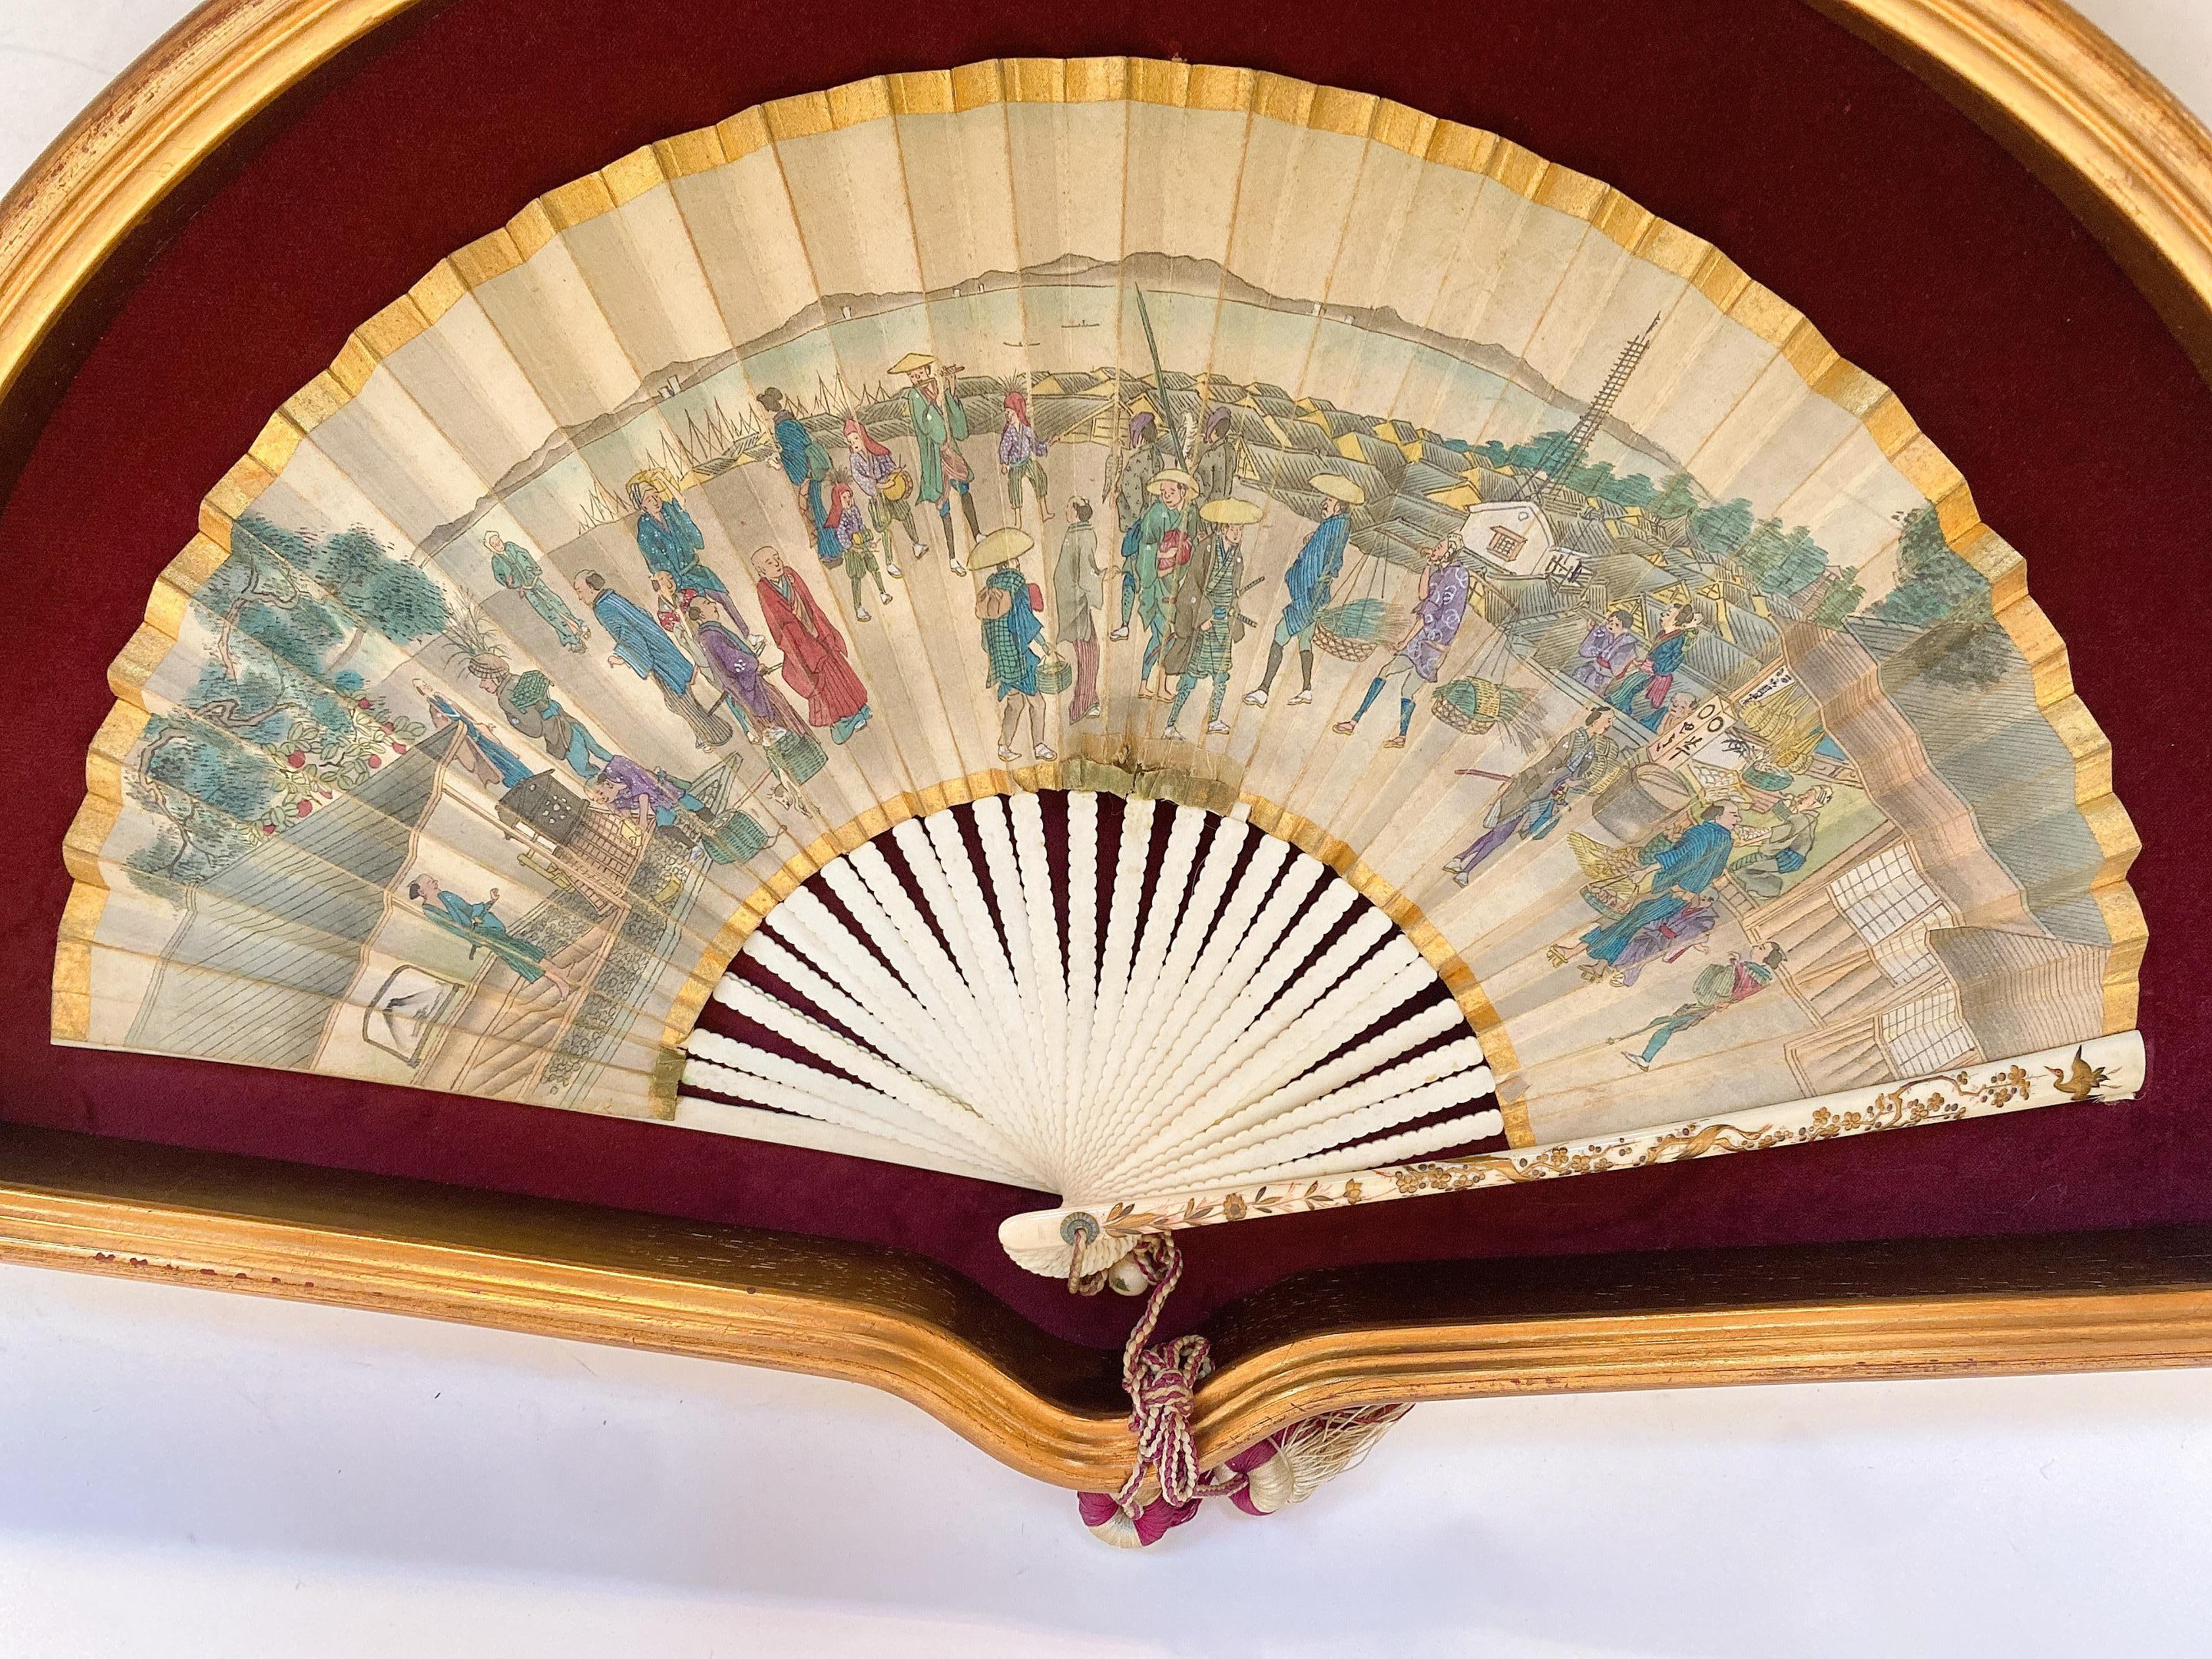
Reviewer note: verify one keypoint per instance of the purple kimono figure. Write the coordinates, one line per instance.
(625, 786)
(1438, 616)
(886, 487)
(1530, 804)
(734, 666)
(1685, 930)
(1609, 647)
(1022, 456)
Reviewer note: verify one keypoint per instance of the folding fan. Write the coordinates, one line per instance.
(1198, 644)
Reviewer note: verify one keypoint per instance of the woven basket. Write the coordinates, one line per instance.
(1351, 631)
(1054, 675)
(736, 838)
(1474, 706)
(802, 757)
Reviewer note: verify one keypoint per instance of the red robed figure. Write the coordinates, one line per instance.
(814, 665)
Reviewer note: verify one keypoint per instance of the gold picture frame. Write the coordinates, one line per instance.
(2128, 161)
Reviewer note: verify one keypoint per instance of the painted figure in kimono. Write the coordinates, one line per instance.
(513, 570)
(1610, 644)
(488, 760)
(629, 788)
(933, 405)
(671, 609)
(1208, 625)
(1668, 938)
(1789, 844)
(856, 543)
(527, 700)
(1530, 805)
(886, 487)
(641, 647)
(1722, 986)
(806, 464)
(1437, 615)
(732, 661)
(1640, 692)
(668, 538)
(1013, 638)
(1308, 583)
(479, 924)
(814, 663)
(1214, 466)
(1078, 589)
(1155, 550)
(1022, 456)
(1672, 877)
(1129, 482)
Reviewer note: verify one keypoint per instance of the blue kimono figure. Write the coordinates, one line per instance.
(1012, 647)
(1685, 867)
(1307, 582)
(481, 927)
(645, 651)
(668, 539)
(504, 761)
(1641, 694)
(806, 464)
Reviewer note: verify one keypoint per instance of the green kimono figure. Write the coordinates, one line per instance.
(1155, 550)
(939, 423)
(513, 570)
(481, 926)
(1208, 624)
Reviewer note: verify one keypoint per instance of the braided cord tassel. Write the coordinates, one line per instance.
(1162, 1380)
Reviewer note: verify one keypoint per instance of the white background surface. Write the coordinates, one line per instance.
(194, 1475)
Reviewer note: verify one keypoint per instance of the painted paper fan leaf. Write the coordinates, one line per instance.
(1628, 700)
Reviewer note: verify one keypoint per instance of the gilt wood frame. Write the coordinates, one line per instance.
(2129, 161)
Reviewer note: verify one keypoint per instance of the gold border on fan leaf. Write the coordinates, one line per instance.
(2127, 157)
(1747, 302)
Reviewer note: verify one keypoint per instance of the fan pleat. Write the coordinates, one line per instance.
(1156, 998)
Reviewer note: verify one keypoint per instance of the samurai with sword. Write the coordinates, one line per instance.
(1208, 621)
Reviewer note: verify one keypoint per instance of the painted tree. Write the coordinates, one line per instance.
(389, 596)
(1678, 497)
(207, 790)
(1722, 529)
(1634, 491)
(275, 701)
(1782, 562)
(1961, 643)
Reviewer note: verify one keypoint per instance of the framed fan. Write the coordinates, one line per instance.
(1102, 656)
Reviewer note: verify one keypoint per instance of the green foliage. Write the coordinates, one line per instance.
(1634, 491)
(1677, 498)
(1722, 529)
(1841, 601)
(1781, 563)
(1940, 593)
(205, 789)
(280, 723)
(1935, 584)
(400, 600)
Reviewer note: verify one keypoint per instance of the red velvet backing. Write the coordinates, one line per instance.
(1924, 251)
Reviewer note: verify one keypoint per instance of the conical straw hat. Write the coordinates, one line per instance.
(1001, 546)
